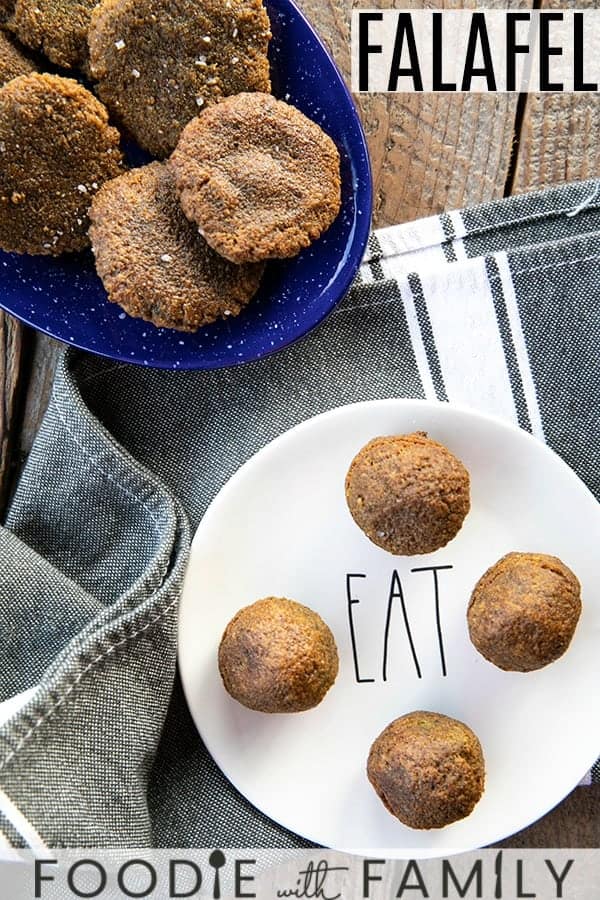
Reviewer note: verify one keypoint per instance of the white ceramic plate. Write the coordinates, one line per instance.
(281, 527)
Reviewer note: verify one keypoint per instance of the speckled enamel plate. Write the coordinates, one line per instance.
(281, 527)
(64, 297)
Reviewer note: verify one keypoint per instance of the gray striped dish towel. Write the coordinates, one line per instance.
(496, 307)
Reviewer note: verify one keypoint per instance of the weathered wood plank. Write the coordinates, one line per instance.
(11, 381)
(43, 359)
(429, 152)
(558, 139)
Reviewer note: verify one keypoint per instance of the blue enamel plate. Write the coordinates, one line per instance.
(65, 298)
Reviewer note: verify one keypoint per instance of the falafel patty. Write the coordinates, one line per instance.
(13, 61)
(427, 769)
(408, 494)
(57, 28)
(158, 64)
(56, 150)
(260, 179)
(277, 656)
(153, 262)
(524, 611)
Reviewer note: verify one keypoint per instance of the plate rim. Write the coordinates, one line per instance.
(445, 408)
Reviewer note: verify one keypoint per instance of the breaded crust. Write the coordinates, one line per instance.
(58, 28)
(427, 769)
(159, 62)
(260, 179)
(154, 264)
(56, 150)
(13, 61)
(524, 611)
(277, 656)
(7, 8)
(409, 494)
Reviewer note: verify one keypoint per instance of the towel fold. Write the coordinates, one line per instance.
(496, 307)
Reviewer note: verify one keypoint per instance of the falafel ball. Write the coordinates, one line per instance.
(277, 656)
(409, 494)
(427, 769)
(13, 61)
(524, 611)
(57, 150)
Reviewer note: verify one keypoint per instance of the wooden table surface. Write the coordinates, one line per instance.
(429, 153)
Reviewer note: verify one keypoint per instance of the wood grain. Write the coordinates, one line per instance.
(558, 141)
(42, 360)
(429, 153)
(12, 365)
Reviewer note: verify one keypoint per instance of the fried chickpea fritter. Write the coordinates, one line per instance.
(427, 769)
(409, 494)
(56, 151)
(13, 61)
(260, 179)
(277, 656)
(158, 63)
(524, 611)
(57, 28)
(153, 262)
